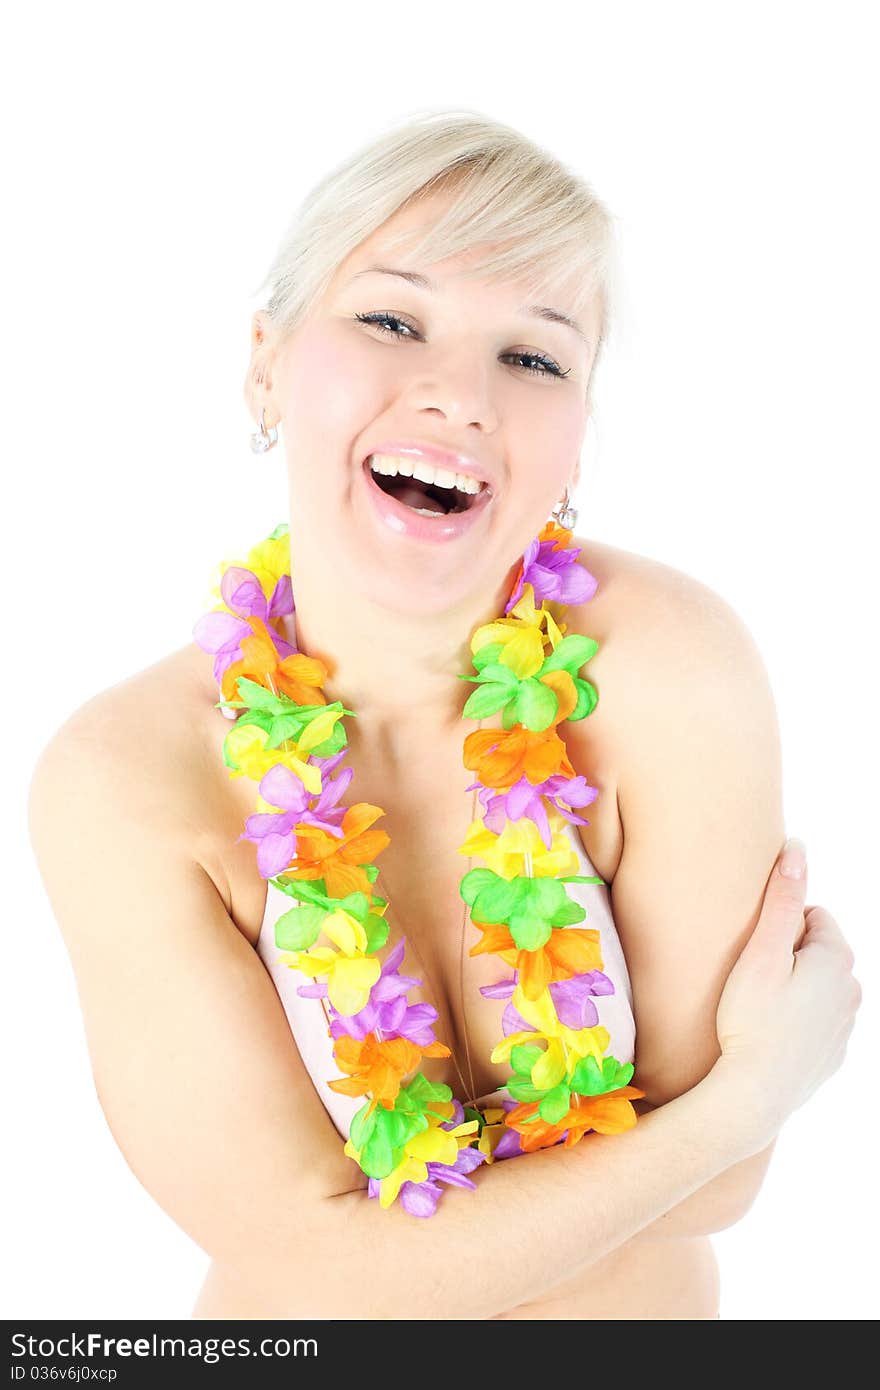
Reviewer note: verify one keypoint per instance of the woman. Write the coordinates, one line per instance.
(436, 316)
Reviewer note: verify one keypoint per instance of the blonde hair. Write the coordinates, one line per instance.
(552, 228)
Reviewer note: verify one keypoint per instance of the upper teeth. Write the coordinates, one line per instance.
(392, 464)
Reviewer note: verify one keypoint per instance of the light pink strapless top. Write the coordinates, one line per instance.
(308, 1022)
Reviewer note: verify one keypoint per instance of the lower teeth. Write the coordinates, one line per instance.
(426, 511)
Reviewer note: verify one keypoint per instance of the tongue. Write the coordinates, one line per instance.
(413, 496)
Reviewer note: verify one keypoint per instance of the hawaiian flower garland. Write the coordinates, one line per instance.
(411, 1134)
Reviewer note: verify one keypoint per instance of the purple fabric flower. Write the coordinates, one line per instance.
(508, 1146)
(421, 1198)
(222, 633)
(524, 800)
(553, 574)
(572, 998)
(457, 1117)
(273, 832)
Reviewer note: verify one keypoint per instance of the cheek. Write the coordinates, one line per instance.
(331, 395)
(548, 444)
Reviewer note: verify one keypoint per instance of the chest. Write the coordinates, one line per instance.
(420, 872)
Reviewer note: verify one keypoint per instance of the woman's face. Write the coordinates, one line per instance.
(460, 367)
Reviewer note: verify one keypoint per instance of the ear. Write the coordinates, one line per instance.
(258, 384)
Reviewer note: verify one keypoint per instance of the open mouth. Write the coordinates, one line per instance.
(426, 498)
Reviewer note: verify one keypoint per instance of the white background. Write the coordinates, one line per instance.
(153, 157)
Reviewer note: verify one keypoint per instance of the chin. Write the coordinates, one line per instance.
(408, 587)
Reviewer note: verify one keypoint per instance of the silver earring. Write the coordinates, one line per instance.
(564, 514)
(263, 439)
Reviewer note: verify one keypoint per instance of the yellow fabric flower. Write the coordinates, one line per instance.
(431, 1145)
(492, 1131)
(541, 1014)
(522, 634)
(564, 1046)
(519, 849)
(350, 973)
(246, 745)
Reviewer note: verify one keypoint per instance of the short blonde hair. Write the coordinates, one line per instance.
(552, 228)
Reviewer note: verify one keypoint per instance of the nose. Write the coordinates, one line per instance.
(456, 386)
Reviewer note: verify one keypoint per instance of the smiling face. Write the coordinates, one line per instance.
(459, 368)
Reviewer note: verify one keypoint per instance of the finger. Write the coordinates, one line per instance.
(792, 862)
(782, 912)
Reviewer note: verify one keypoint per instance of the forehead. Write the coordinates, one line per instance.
(394, 242)
(393, 245)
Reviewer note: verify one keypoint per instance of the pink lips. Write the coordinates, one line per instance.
(446, 526)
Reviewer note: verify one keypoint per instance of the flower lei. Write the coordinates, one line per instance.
(411, 1134)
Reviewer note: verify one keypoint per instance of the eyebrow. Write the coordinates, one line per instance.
(538, 311)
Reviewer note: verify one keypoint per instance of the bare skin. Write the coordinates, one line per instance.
(644, 1278)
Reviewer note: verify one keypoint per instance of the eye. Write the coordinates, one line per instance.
(382, 320)
(550, 368)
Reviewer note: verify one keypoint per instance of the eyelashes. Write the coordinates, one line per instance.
(381, 319)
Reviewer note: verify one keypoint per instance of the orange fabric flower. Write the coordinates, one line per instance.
(378, 1068)
(568, 951)
(611, 1113)
(297, 676)
(501, 756)
(338, 861)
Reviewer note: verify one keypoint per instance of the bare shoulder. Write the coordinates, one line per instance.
(659, 630)
(641, 595)
(670, 650)
(145, 749)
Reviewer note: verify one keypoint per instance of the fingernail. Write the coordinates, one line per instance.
(794, 858)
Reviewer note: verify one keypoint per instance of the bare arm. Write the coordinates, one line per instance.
(210, 1104)
(716, 1205)
(533, 1221)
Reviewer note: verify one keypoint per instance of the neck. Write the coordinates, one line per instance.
(397, 671)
